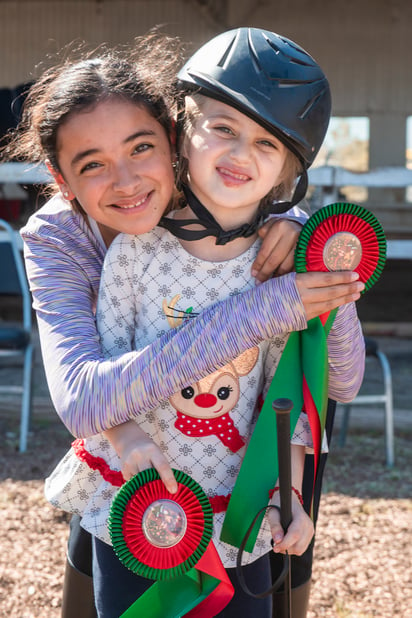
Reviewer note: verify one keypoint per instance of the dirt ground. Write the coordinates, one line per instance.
(363, 552)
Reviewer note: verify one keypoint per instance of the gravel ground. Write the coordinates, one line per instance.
(363, 551)
(363, 554)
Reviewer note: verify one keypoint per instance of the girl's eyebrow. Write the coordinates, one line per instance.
(82, 155)
(92, 151)
(138, 134)
(228, 118)
(221, 116)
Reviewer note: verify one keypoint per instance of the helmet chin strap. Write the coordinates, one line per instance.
(298, 195)
(212, 228)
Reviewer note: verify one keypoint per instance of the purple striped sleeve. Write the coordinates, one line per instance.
(92, 394)
(346, 349)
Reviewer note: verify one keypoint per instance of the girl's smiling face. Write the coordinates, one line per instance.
(116, 160)
(233, 162)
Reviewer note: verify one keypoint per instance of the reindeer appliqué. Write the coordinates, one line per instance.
(203, 407)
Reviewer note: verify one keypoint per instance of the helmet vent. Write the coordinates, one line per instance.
(288, 83)
(226, 55)
(304, 60)
(311, 104)
(253, 56)
(272, 45)
(301, 61)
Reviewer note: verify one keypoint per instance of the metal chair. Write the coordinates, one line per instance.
(16, 345)
(386, 397)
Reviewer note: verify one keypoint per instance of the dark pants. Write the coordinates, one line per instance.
(116, 588)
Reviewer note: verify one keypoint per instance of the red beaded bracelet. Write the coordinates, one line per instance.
(297, 492)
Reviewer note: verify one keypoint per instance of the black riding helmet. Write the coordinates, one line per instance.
(273, 81)
(270, 79)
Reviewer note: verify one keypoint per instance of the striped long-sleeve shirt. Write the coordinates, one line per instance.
(90, 393)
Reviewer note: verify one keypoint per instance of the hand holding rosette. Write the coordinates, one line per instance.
(342, 237)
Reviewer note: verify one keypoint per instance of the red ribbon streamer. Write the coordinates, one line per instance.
(313, 414)
(211, 565)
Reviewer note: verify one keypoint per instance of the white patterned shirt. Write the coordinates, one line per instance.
(149, 285)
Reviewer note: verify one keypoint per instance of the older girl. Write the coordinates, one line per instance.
(66, 241)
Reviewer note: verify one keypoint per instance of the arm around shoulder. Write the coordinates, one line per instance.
(92, 393)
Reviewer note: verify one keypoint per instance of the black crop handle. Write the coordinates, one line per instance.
(283, 407)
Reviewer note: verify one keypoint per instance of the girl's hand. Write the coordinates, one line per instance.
(298, 535)
(276, 255)
(321, 292)
(138, 452)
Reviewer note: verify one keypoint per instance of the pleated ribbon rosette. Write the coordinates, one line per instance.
(167, 537)
(340, 236)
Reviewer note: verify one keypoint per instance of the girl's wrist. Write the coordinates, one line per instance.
(296, 494)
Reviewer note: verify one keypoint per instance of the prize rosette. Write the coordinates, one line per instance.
(157, 534)
(167, 537)
(337, 237)
(342, 237)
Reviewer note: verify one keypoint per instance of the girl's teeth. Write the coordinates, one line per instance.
(238, 176)
(133, 205)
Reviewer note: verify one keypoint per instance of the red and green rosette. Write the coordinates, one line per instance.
(340, 236)
(337, 237)
(167, 537)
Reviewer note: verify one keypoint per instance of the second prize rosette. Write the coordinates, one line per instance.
(167, 537)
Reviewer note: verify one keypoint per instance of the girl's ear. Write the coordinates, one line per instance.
(63, 186)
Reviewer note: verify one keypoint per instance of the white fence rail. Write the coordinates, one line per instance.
(326, 176)
(24, 173)
(329, 179)
(384, 177)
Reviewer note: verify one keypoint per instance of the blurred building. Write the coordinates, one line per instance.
(363, 46)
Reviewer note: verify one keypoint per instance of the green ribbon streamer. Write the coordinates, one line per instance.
(315, 362)
(174, 597)
(259, 470)
(305, 354)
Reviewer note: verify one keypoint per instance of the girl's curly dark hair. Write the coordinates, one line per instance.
(143, 73)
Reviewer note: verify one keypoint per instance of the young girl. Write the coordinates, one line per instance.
(155, 282)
